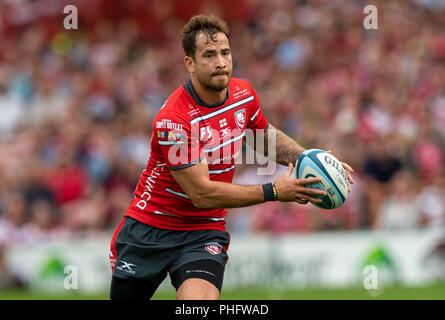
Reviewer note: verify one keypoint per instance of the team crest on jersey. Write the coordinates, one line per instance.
(240, 118)
(214, 248)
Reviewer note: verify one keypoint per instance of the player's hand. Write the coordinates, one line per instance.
(348, 170)
(290, 189)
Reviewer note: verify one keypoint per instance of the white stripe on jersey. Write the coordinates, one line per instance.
(254, 116)
(218, 171)
(177, 193)
(217, 112)
(165, 214)
(170, 142)
(215, 219)
(225, 143)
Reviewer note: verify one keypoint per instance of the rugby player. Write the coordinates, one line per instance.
(175, 222)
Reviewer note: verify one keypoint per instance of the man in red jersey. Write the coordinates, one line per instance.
(175, 222)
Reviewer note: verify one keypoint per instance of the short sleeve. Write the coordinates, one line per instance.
(178, 143)
(256, 118)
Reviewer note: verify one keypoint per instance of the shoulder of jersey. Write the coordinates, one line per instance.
(177, 103)
(177, 98)
(240, 89)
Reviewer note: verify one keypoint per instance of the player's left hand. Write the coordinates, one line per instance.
(348, 169)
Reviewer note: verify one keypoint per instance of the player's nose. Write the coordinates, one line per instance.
(220, 62)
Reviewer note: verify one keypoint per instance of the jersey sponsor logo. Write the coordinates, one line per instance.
(167, 124)
(149, 186)
(162, 133)
(126, 267)
(179, 136)
(224, 132)
(193, 112)
(240, 94)
(222, 160)
(214, 248)
(205, 134)
(172, 135)
(240, 118)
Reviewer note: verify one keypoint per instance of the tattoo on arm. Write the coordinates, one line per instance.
(287, 149)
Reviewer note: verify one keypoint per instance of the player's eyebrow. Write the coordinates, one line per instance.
(212, 51)
(207, 51)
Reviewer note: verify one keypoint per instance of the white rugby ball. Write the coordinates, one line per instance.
(321, 164)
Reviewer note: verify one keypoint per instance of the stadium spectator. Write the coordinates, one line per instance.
(431, 203)
(400, 209)
(8, 279)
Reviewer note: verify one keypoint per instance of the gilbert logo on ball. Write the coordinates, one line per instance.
(321, 164)
(213, 248)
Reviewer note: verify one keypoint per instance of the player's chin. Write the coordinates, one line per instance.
(219, 84)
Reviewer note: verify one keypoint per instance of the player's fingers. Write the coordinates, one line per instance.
(344, 164)
(290, 167)
(306, 181)
(312, 191)
(309, 198)
(301, 201)
(348, 175)
(347, 167)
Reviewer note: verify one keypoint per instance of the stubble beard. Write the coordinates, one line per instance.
(213, 84)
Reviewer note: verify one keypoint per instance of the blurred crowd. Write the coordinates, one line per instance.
(76, 107)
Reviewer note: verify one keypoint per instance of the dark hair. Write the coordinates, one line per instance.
(209, 25)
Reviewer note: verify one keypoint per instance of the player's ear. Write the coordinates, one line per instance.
(189, 64)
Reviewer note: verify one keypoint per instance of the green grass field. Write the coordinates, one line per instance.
(434, 292)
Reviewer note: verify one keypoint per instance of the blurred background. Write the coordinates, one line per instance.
(76, 108)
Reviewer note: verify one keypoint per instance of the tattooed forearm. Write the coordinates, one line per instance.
(287, 149)
(284, 150)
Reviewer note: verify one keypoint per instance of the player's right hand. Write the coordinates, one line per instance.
(290, 189)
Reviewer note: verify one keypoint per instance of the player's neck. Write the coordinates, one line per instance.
(209, 97)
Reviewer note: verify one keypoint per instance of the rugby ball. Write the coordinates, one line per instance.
(321, 164)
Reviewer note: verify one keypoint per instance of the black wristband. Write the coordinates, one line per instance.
(269, 194)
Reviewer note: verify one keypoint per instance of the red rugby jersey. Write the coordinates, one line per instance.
(185, 131)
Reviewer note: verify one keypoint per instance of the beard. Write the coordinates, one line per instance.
(211, 83)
